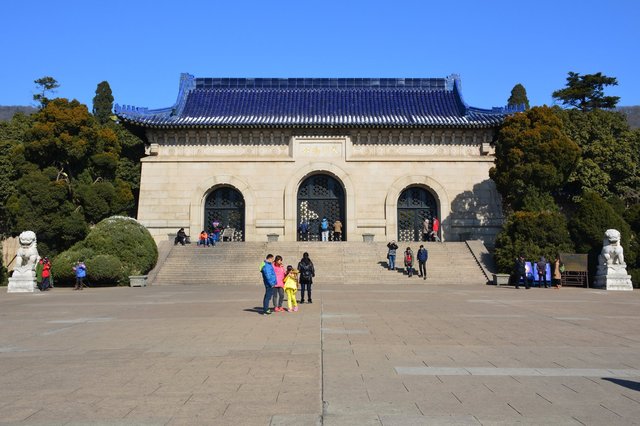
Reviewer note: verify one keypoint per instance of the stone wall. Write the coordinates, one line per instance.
(183, 167)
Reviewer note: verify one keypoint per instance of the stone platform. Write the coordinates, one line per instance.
(411, 354)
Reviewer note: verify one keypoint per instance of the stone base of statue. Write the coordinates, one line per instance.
(23, 283)
(613, 277)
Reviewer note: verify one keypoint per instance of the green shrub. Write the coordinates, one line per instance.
(105, 269)
(116, 248)
(635, 277)
(533, 234)
(589, 223)
(62, 264)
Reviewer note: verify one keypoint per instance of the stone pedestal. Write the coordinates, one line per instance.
(613, 277)
(23, 284)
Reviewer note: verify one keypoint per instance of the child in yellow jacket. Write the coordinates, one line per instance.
(291, 288)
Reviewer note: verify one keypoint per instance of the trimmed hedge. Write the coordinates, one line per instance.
(114, 249)
(533, 234)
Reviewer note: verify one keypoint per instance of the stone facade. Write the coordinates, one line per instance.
(267, 166)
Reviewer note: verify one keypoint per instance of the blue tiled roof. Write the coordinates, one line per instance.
(316, 102)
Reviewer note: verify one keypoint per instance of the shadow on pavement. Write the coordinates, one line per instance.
(626, 383)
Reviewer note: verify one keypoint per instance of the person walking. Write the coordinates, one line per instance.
(307, 273)
(556, 279)
(324, 229)
(408, 261)
(425, 229)
(269, 280)
(391, 254)
(542, 272)
(337, 230)
(81, 272)
(520, 271)
(423, 255)
(278, 289)
(291, 288)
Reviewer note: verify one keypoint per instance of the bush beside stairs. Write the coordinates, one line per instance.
(237, 263)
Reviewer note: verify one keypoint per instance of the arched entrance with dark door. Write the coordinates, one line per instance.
(225, 204)
(320, 195)
(414, 205)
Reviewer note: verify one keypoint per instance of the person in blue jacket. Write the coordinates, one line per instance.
(423, 255)
(81, 271)
(269, 279)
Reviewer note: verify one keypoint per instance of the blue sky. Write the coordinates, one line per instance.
(141, 47)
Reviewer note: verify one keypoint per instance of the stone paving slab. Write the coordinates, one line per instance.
(418, 354)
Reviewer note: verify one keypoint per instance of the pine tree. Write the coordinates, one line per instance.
(518, 97)
(103, 103)
(45, 84)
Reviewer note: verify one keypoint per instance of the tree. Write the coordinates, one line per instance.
(518, 97)
(586, 92)
(532, 151)
(533, 234)
(45, 85)
(103, 103)
(610, 161)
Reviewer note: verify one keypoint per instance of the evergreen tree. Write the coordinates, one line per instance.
(518, 97)
(586, 92)
(103, 103)
(45, 85)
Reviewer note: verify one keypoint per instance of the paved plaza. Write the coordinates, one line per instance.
(359, 355)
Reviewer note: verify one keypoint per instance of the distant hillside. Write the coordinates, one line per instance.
(633, 115)
(7, 112)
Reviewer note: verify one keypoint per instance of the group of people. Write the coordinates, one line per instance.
(431, 229)
(324, 228)
(421, 256)
(279, 280)
(44, 276)
(520, 272)
(205, 239)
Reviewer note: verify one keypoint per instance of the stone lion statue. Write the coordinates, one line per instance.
(27, 256)
(612, 252)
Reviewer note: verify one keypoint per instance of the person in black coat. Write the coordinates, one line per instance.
(520, 271)
(307, 273)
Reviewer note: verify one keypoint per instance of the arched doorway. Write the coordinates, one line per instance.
(226, 205)
(414, 205)
(321, 196)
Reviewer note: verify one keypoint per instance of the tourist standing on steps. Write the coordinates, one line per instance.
(337, 230)
(436, 228)
(81, 271)
(307, 273)
(423, 255)
(425, 229)
(391, 254)
(278, 289)
(408, 261)
(269, 280)
(520, 271)
(324, 228)
(303, 228)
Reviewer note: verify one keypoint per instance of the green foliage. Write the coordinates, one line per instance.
(610, 163)
(534, 234)
(535, 201)
(588, 224)
(45, 85)
(632, 217)
(532, 151)
(62, 264)
(635, 277)
(586, 92)
(103, 103)
(105, 269)
(518, 96)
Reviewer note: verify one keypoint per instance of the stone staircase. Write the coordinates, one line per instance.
(237, 263)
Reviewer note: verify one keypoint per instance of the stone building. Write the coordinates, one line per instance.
(262, 155)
